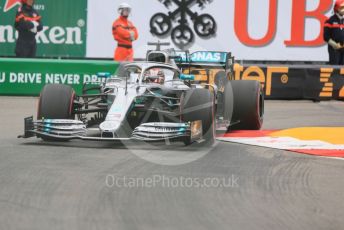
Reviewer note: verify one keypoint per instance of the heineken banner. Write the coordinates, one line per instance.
(25, 77)
(64, 31)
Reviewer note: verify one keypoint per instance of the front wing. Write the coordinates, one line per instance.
(64, 130)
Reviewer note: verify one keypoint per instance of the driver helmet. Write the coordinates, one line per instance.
(161, 77)
(155, 75)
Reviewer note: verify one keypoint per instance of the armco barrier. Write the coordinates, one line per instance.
(296, 81)
(26, 77)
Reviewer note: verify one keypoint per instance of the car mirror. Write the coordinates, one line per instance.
(104, 75)
(187, 77)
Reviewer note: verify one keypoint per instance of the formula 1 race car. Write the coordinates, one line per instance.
(154, 100)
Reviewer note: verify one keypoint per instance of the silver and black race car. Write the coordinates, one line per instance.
(152, 100)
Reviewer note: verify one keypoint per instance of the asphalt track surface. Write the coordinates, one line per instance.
(66, 185)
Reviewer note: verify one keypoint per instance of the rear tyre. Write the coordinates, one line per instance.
(55, 102)
(248, 105)
(198, 104)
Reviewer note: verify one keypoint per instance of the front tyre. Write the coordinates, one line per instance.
(55, 102)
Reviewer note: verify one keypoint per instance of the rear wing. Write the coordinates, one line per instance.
(205, 59)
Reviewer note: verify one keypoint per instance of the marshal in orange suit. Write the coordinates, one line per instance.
(124, 32)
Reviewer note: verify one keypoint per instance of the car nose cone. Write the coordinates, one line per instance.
(109, 126)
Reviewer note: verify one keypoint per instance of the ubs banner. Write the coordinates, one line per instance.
(250, 29)
(64, 31)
